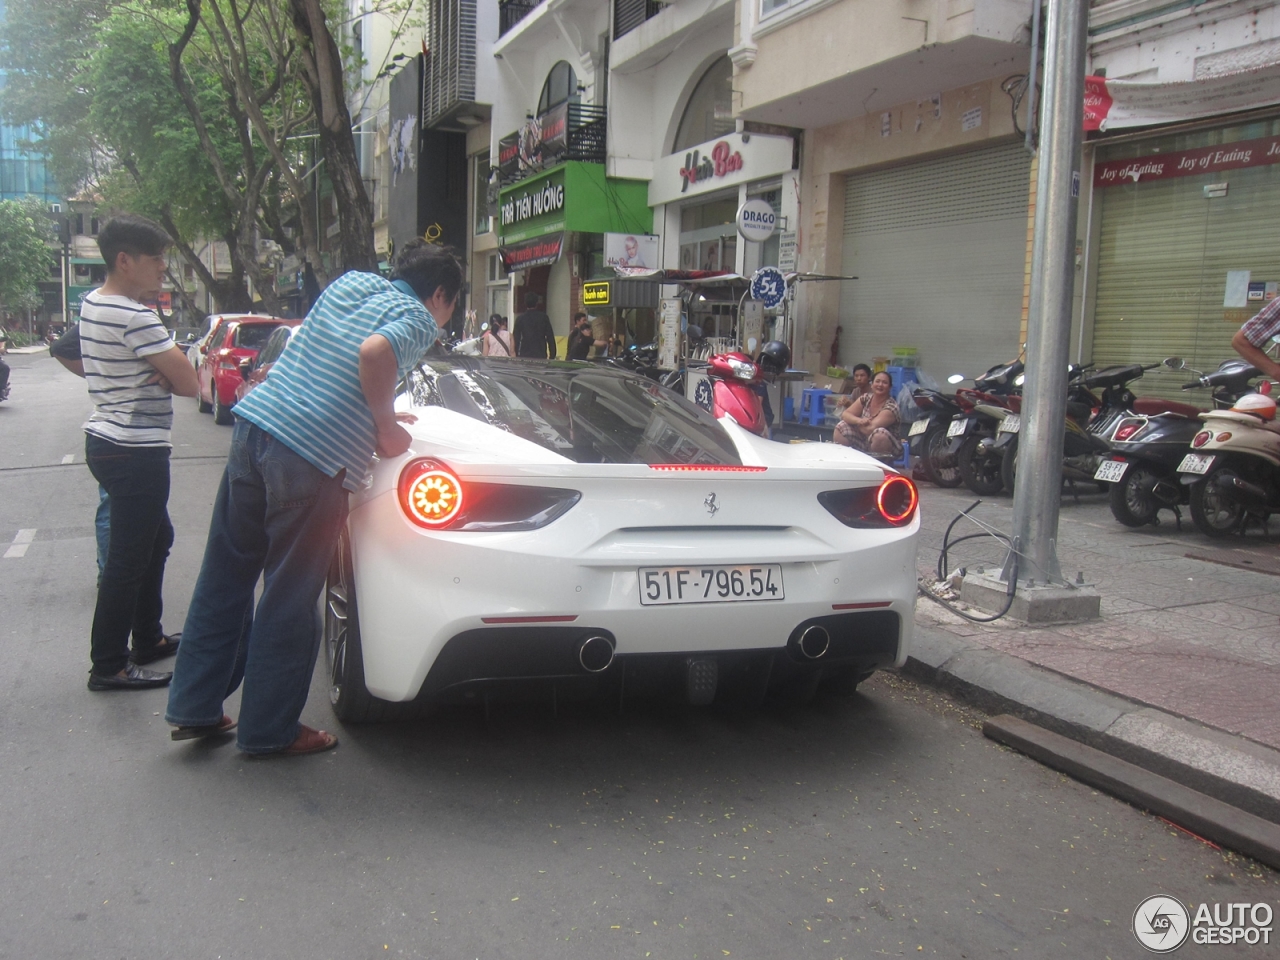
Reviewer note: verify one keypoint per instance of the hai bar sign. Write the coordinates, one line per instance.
(722, 162)
(1188, 163)
(726, 161)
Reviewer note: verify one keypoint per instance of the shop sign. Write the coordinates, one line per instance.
(769, 286)
(543, 198)
(724, 162)
(757, 220)
(1189, 163)
(538, 144)
(538, 252)
(787, 250)
(595, 293)
(1114, 104)
(630, 250)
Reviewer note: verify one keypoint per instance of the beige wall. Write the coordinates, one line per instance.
(916, 130)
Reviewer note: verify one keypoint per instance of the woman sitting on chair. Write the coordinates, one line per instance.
(870, 423)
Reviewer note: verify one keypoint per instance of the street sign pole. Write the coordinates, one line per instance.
(1038, 484)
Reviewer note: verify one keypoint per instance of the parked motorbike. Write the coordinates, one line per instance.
(1150, 442)
(733, 384)
(638, 358)
(972, 433)
(1234, 471)
(928, 436)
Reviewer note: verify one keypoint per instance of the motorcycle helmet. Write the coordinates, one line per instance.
(1256, 404)
(775, 357)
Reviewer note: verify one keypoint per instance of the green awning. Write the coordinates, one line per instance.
(89, 261)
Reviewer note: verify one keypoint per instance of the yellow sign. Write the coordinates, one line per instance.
(595, 293)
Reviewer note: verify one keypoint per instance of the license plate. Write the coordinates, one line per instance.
(1111, 471)
(1010, 424)
(917, 428)
(1196, 463)
(710, 584)
(957, 428)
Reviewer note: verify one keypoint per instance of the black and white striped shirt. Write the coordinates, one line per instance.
(116, 334)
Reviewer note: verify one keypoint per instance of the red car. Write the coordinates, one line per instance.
(234, 338)
(253, 372)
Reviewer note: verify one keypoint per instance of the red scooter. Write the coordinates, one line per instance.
(734, 384)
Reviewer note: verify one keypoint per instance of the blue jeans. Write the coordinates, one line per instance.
(129, 591)
(278, 516)
(102, 528)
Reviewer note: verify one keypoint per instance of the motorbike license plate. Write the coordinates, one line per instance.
(710, 584)
(1111, 471)
(917, 428)
(1010, 424)
(957, 428)
(1196, 463)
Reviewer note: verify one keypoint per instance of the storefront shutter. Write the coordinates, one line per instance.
(1164, 252)
(939, 249)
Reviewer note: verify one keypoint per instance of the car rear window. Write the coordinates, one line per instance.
(252, 336)
(276, 343)
(587, 413)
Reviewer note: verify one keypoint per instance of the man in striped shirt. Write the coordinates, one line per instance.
(302, 440)
(132, 368)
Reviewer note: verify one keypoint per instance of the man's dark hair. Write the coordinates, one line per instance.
(579, 317)
(129, 233)
(427, 267)
(531, 301)
(861, 366)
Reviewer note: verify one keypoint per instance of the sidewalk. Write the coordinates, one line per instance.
(1181, 672)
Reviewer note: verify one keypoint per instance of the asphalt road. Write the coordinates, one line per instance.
(881, 825)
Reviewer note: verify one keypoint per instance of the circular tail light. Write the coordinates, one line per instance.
(430, 493)
(896, 499)
(1201, 438)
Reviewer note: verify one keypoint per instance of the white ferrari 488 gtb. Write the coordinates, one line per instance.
(570, 529)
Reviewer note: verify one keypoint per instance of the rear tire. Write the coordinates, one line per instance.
(1215, 510)
(350, 698)
(940, 468)
(1009, 466)
(1132, 502)
(221, 415)
(200, 404)
(981, 474)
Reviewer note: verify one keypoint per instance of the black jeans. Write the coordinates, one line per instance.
(137, 481)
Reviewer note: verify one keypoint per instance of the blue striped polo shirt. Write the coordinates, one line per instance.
(312, 399)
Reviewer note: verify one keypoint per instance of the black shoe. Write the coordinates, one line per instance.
(167, 647)
(134, 678)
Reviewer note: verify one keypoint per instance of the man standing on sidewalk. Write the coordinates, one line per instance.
(132, 368)
(300, 443)
(1251, 340)
(532, 331)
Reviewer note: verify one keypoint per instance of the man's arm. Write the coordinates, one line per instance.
(66, 350)
(1255, 355)
(378, 375)
(177, 373)
(551, 337)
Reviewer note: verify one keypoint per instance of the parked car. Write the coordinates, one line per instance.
(576, 529)
(254, 370)
(232, 339)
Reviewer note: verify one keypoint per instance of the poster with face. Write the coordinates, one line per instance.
(631, 250)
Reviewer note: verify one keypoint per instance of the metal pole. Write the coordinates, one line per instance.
(1038, 487)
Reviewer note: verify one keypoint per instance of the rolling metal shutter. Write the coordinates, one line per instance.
(939, 249)
(1163, 258)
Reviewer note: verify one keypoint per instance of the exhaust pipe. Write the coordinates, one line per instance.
(813, 642)
(595, 654)
(1252, 494)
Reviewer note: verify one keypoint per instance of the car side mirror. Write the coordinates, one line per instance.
(246, 367)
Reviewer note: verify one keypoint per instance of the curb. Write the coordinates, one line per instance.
(1222, 766)
(1205, 816)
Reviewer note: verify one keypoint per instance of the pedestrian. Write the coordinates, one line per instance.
(497, 341)
(1252, 339)
(532, 331)
(4, 365)
(580, 337)
(300, 444)
(602, 335)
(66, 350)
(132, 369)
(861, 381)
(870, 423)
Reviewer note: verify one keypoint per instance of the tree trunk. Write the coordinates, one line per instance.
(323, 74)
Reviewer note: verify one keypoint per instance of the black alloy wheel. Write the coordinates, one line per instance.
(221, 415)
(980, 472)
(940, 467)
(1133, 499)
(1215, 508)
(350, 699)
(1009, 465)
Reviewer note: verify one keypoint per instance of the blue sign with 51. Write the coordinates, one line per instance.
(769, 286)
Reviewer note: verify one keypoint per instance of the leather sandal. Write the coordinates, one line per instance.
(308, 741)
(225, 725)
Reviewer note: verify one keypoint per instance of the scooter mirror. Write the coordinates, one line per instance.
(484, 327)
(956, 378)
(1174, 363)
(1019, 380)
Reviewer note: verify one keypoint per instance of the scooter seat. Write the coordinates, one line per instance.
(1153, 406)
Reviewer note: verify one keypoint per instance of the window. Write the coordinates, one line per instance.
(561, 85)
(497, 290)
(709, 113)
(484, 222)
(773, 6)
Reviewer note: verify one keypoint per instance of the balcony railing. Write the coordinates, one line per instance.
(583, 137)
(587, 125)
(629, 14)
(511, 12)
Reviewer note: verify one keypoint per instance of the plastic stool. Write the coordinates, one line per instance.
(812, 407)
